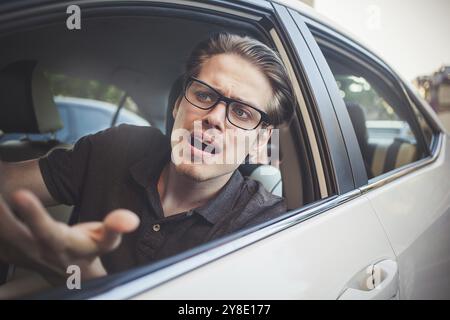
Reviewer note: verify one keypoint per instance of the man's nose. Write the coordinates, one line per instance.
(216, 117)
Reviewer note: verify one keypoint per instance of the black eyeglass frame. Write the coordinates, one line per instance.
(264, 116)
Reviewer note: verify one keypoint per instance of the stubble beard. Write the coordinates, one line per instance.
(197, 173)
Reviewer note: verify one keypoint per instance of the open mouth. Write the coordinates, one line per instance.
(208, 147)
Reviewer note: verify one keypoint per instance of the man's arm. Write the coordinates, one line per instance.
(30, 238)
(24, 175)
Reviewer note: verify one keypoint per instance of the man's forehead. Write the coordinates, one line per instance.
(236, 78)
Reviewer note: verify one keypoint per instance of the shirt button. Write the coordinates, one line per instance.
(156, 227)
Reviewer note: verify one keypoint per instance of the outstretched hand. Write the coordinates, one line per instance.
(29, 237)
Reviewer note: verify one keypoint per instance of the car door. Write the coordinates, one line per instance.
(327, 249)
(413, 207)
(408, 189)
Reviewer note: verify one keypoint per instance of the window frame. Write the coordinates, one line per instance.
(332, 38)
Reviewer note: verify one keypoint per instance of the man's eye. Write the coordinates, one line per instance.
(203, 96)
(242, 113)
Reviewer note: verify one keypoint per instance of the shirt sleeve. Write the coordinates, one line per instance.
(65, 171)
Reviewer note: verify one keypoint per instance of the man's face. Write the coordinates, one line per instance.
(235, 78)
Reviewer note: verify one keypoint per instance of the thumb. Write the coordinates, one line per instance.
(114, 225)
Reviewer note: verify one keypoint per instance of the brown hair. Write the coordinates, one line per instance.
(281, 108)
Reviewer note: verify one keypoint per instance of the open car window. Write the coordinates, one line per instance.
(144, 68)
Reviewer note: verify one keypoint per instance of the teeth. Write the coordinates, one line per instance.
(199, 144)
(205, 145)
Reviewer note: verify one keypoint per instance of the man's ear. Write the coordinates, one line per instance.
(258, 152)
(176, 107)
(263, 137)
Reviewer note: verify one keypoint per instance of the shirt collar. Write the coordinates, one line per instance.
(147, 170)
(224, 201)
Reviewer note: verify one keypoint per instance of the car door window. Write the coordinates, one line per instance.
(382, 123)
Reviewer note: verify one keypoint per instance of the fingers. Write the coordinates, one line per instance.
(30, 210)
(58, 243)
(12, 231)
(121, 220)
(95, 238)
(17, 244)
(114, 225)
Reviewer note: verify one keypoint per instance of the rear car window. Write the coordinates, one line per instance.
(381, 118)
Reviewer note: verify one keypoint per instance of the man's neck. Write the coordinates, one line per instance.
(179, 193)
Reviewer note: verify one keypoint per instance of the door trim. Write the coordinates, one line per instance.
(395, 174)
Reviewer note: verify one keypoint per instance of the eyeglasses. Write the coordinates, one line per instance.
(239, 114)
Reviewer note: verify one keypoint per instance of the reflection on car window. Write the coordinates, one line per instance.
(382, 122)
(377, 113)
(63, 85)
(87, 116)
(85, 107)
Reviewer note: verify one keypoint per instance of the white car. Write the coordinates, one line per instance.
(369, 216)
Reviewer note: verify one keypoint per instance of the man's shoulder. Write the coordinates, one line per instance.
(260, 205)
(127, 132)
(259, 194)
(120, 147)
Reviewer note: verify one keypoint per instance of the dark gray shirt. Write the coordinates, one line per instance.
(120, 167)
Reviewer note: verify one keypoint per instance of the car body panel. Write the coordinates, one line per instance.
(415, 212)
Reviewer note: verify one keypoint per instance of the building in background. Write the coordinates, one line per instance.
(436, 88)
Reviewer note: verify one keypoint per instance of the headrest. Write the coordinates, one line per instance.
(175, 91)
(26, 101)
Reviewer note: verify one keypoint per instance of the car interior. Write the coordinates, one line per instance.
(24, 86)
(379, 156)
(143, 55)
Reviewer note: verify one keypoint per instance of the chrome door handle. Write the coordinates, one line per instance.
(378, 281)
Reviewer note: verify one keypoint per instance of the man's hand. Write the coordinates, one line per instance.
(29, 237)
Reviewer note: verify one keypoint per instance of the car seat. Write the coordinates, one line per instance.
(378, 158)
(26, 107)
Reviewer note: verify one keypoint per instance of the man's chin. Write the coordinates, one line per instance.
(202, 172)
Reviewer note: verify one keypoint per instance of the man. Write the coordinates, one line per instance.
(162, 195)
